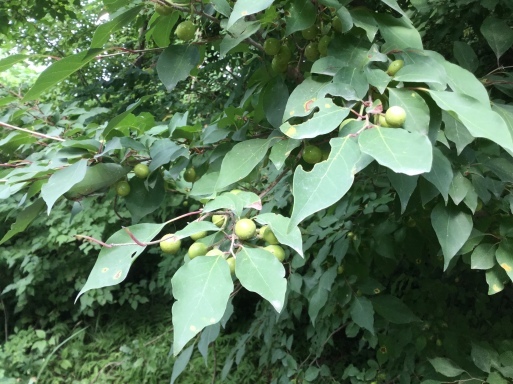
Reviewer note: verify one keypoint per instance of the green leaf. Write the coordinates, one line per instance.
(141, 200)
(326, 117)
(327, 182)
(103, 32)
(113, 263)
(504, 256)
(280, 225)
(97, 177)
(404, 185)
(241, 160)
(237, 34)
(23, 219)
(484, 356)
(364, 18)
(401, 151)
(362, 313)
(495, 280)
(393, 4)
(301, 15)
(195, 227)
(420, 67)
(456, 132)
(483, 256)
(302, 98)
(281, 151)
(243, 8)
(496, 378)
(227, 201)
(275, 96)
(181, 363)
(417, 111)
(260, 271)
(452, 228)
(8, 62)
(498, 34)
(118, 120)
(201, 288)
(398, 33)
(463, 82)
(478, 119)
(165, 151)
(62, 181)
(465, 55)
(321, 293)
(58, 71)
(441, 174)
(161, 30)
(176, 63)
(393, 309)
(446, 367)
(460, 187)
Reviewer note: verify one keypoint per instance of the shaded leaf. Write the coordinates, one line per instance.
(446, 367)
(393, 309)
(452, 228)
(103, 32)
(417, 111)
(483, 256)
(404, 186)
(362, 313)
(441, 174)
(301, 15)
(504, 256)
(141, 200)
(181, 362)
(176, 63)
(398, 33)
(23, 219)
(498, 34)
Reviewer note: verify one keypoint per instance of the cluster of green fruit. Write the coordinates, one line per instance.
(244, 229)
(141, 171)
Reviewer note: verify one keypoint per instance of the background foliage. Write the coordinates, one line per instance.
(396, 270)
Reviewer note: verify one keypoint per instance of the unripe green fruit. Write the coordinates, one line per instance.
(141, 171)
(123, 188)
(395, 116)
(235, 191)
(197, 249)
(186, 30)
(285, 53)
(245, 229)
(163, 10)
(310, 33)
(218, 220)
(383, 121)
(199, 235)
(278, 65)
(267, 234)
(394, 66)
(323, 45)
(215, 252)
(189, 175)
(170, 244)
(337, 24)
(231, 264)
(312, 154)
(277, 251)
(272, 46)
(312, 52)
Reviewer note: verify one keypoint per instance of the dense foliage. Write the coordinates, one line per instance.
(275, 191)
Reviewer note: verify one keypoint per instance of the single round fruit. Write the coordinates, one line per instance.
(215, 252)
(123, 188)
(312, 52)
(394, 66)
(231, 264)
(142, 171)
(199, 235)
(186, 30)
(189, 175)
(323, 45)
(267, 234)
(340, 269)
(312, 154)
(245, 229)
(170, 244)
(285, 53)
(272, 46)
(382, 121)
(310, 33)
(218, 220)
(277, 251)
(278, 65)
(235, 191)
(395, 116)
(163, 10)
(197, 249)
(337, 24)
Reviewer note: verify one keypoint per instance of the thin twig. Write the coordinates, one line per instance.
(33, 133)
